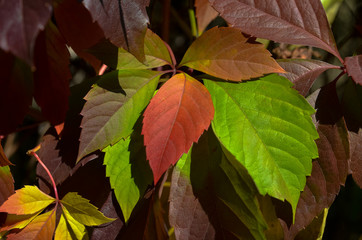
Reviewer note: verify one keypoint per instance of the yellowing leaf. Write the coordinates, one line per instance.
(18, 221)
(42, 227)
(225, 53)
(27, 200)
(69, 229)
(83, 211)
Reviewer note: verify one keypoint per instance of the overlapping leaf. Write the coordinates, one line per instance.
(27, 200)
(204, 14)
(6, 183)
(113, 106)
(224, 53)
(124, 22)
(20, 23)
(175, 118)
(354, 68)
(302, 73)
(356, 157)
(18, 221)
(296, 21)
(267, 126)
(69, 229)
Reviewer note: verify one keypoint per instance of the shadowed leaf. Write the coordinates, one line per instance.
(302, 73)
(6, 184)
(4, 161)
(69, 229)
(175, 118)
(18, 221)
(204, 14)
(267, 126)
(294, 21)
(354, 68)
(356, 157)
(224, 53)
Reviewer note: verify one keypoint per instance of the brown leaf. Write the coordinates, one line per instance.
(204, 14)
(356, 157)
(354, 68)
(6, 184)
(4, 161)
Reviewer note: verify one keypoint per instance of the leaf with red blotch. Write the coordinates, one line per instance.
(16, 88)
(294, 21)
(225, 53)
(4, 161)
(124, 22)
(354, 68)
(52, 75)
(42, 227)
(303, 72)
(20, 23)
(27, 200)
(6, 183)
(175, 118)
(204, 14)
(356, 157)
(80, 36)
(328, 173)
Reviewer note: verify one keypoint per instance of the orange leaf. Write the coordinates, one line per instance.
(204, 14)
(4, 161)
(225, 53)
(175, 118)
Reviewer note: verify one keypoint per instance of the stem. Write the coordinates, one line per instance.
(193, 23)
(32, 152)
(102, 70)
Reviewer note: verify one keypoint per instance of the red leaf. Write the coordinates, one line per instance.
(175, 118)
(356, 157)
(354, 68)
(294, 21)
(20, 23)
(52, 75)
(124, 22)
(204, 14)
(82, 35)
(303, 72)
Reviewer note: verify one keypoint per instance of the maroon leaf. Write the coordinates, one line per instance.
(52, 75)
(15, 92)
(124, 22)
(356, 157)
(294, 21)
(20, 23)
(354, 68)
(303, 72)
(80, 36)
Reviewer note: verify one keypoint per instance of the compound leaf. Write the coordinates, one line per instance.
(69, 229)
(354, 68)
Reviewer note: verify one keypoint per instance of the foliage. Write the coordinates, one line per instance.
(223, 145)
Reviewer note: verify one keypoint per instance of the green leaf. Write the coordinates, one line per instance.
(113, 106)
(267, 126)
(128, 171)
(69, 229)
(82, 211)
(27, 200)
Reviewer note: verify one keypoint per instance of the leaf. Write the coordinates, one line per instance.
(296, 22)
(354, 68)
(52, 75)
(20, 23)
(18, 221)
(128, 171)
(204, 14)
(6, 183)
(175, 118)
(225, 53)
(356, 157)
(113, 106)
(69, 229)
(124, 22)
(42, 227)
(4, 161)
(82, 211)
(302, 72)
(268, 128)
(27, 200)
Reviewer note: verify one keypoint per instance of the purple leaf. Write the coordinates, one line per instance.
(354, 68)
(356, 157)
(303, 72)
(294, 21)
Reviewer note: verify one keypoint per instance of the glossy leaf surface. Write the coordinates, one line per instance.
(224, 53)
(267, 126)
(354, 68)
(175, 118)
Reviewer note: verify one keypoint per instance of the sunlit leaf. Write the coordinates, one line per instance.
(267, 126)
(295, 21)
(18, 221)
(354, 68)
(175, 118)
(204, 14)
(224, 53)
(69, 229)
(82, 211)
(27, 200)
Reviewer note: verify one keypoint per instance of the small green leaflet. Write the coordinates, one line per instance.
(267, 126)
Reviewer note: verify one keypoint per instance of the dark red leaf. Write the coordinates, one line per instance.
(52, 75)
(175, 118)
(354, 68)
(20, 23)
(16, 92)
(303, 72)
(82, 35)
(294, 21)
(356, 157)
(124, 22)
